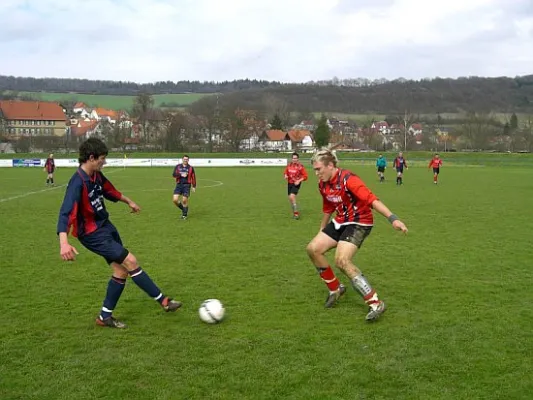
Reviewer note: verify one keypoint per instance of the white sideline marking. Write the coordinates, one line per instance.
(41, 191)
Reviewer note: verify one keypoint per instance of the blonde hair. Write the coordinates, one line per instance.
(325, 156)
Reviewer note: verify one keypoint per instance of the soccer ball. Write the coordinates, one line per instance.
(211, 311)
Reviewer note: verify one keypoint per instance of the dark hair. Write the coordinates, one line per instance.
(92, 147)
(185, 155)
(296, 154)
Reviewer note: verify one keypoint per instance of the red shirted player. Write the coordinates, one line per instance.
(435, 163)
(295, 174)
(347, 195)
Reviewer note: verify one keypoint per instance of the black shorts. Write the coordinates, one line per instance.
(381, 169)
(399, 170)
(293, 189)
(436, 170)
(355, 234)
(106, 242)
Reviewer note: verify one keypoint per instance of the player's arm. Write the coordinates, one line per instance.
(327, 208)
(304, 174)
(112, 194)
(175, 172)
(286, 173)
(67, 214)
(392, 218)
(191, 178)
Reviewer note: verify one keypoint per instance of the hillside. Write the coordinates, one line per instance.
(356, 96)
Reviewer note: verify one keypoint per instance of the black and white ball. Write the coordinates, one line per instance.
(211, 311)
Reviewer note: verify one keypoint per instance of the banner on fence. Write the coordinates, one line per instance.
(27, 162)
(152, 162)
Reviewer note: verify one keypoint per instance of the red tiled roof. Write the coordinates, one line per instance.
(79, 104)
(297, 135)
(276, 135)
(83, 127)
(32, 110)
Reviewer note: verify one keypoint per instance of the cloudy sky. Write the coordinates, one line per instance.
(284, 40)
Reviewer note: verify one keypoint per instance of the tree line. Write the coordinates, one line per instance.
(359, 96)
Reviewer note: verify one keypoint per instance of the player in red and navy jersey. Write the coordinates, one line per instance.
(185, 182)
(294, 174)
(435, 163)
(84, 211)
(399, 163)
(50, 167)
(346, 194)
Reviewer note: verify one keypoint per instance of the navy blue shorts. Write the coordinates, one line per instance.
(106, 242)
(399, 170)
(183, 188)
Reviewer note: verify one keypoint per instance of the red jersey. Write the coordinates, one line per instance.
(295, 172)
(347, 194)
(435, 163)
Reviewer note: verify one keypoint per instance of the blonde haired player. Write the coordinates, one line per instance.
(346, 194)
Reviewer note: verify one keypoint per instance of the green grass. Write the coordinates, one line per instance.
(116, 102)
(458, 289)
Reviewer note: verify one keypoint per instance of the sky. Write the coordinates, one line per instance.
(277, 40)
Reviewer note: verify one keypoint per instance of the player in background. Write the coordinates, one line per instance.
(185, 182)
(295, 174)
(346, 194)
(50, 167)
(435, 163)
(381, 164)
(84, 211)
(399, 163)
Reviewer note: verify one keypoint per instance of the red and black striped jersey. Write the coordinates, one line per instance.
(83, 207)
(347, 194)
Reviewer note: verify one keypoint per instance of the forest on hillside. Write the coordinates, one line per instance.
(358, 96)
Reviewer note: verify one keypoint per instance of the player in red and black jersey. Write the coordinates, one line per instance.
(50, 167)
(435, 163)
(345, 193)
(295, 174)
(84, 213)
(399, 163)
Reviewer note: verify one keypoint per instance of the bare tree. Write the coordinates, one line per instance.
(477, 129)
(143, 107)
(527, 133)
(240, 125)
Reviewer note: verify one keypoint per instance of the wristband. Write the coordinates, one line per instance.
(392, 218)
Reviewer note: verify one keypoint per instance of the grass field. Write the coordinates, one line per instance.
(458, 288)
(116, 102)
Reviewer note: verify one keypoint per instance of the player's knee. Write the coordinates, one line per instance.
(130, 262)
(312, 249)
(342, 261)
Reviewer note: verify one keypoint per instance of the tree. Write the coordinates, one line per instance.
(239, 125)
(527, 133)
(513, 123)
(143, 106)
(276, 123)
(322, 132)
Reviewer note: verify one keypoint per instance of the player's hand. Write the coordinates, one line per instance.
(134, 207)
(399, 226)
(193, 189)
(68, 252)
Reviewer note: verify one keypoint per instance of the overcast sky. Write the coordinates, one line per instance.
(283, 40)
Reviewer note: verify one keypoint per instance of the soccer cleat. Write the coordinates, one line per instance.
(170, 304)
(110, 322)
(375, 311)
(183, 217)
(334, 296)
(296, 216)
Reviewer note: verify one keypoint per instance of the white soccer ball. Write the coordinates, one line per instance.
(211, 311)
